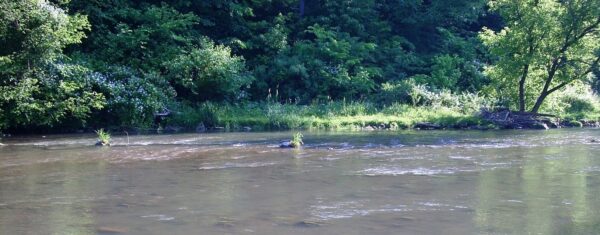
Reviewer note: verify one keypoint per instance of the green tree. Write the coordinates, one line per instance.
(142, 38)
(38, 84)
(333, 65)
(209, 72)
(545, 46)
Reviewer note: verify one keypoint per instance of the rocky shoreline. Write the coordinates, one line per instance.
(507, 119)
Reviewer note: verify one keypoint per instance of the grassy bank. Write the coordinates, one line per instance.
(330, 116)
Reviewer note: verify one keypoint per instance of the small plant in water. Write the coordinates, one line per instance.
(297, 140)
(103, 138)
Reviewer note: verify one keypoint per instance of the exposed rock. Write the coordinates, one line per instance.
(287, 144)
(427, 126)
(588, 123)
(573, 124)
(100, 143)
(539, 125)
(594, 141)
(368, 128)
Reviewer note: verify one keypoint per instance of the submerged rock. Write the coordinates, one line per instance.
(309, 224)
(289, 144)
(225, 222)
(111, 230)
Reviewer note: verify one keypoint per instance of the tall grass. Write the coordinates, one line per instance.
(330, 116)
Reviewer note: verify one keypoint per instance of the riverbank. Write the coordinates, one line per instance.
(331, 116)
(355, 116)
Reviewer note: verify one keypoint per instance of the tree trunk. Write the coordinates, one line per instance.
(553, 68)
(539, 102)
(522, 88)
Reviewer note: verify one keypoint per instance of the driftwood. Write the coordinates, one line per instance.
(160, 116)
(164, 113)
(519, 120)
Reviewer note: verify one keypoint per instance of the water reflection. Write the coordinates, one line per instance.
(523, 182)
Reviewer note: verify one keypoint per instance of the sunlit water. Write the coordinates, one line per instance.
(447, 182)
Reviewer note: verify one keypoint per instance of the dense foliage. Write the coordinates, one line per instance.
(545, 46)
(80, 63)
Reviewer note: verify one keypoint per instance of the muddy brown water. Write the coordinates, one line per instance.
(406, 182)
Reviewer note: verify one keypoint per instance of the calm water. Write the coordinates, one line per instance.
(452, 182)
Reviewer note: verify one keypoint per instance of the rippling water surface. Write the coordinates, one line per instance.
(429, 182)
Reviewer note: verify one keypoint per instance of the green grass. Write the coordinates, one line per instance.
(331, 116)
(103, 136)
(297, 140)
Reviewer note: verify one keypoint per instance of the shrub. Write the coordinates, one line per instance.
(210, 72)
(132, 97)
(103, 137)
(396, 91)
(575, 102)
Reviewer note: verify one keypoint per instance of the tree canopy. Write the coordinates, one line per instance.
(120, 61)
(545, 46)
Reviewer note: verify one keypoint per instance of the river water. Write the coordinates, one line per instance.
(407, 182)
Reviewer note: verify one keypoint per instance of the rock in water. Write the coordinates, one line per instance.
(111, 230)
(100, 143)
(286, 144)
